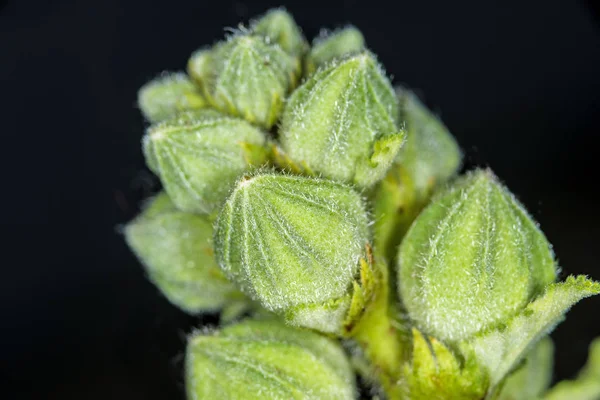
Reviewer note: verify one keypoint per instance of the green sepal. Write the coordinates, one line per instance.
(587, 384)
(168, 95)
(199, 155)
(334, 45)
(435, 372)
(500, 350)
(384, 152)
(268, 360)
(176, 251)
(532, 378)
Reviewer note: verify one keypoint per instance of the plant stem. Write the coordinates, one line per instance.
(380, 339)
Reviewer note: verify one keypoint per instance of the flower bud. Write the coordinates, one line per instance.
(428, 159)
(294, 244)
(341, 122)
(334, 45)
(168, 95)
(472, 259)
(279, 26)
(176, 250)
(199, 155)
(198, 66)
(267, 360)
(430, 155)
(246, 76)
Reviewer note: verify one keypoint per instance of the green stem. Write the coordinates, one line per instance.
(380, 339)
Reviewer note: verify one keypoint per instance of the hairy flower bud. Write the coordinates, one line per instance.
(476, 271)
(167, 95)
(430, 155)
(295, 245)
(334, 45)
(279, 26)
(246, 76)
(199, 155)
(428, 159)
(176, 249)
(267, 360)
(341, 122)
(472, 259)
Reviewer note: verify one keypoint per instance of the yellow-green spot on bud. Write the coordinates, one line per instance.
(428, 159)
(267, 360)
(334, 45)
(199, 155)
(167, 95)
(279, 26)
(176, 250)
(246, 76)
(342, 122)
(472, 259)
(296, 245)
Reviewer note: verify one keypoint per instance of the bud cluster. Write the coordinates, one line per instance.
(303, 191)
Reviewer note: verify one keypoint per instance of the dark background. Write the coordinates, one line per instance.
(516, 81)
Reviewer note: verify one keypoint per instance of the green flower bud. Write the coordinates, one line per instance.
(198, 66)
(475, 271)
(334, 45)
(472, 259)
(267, 360)
(295, 245)
(431, 155)
(168, 95)
(176, 249)
(428, 159)
(279, 26)
(199, 155)
(341, 122)
(246, 76)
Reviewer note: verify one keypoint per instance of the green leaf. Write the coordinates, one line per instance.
(587, 384)
(500, 350)
(531, 379)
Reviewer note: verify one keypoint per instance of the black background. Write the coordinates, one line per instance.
(516, 81)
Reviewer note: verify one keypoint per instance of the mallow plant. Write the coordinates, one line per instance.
(320, 210)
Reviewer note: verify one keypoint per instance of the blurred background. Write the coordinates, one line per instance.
(517, 83)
